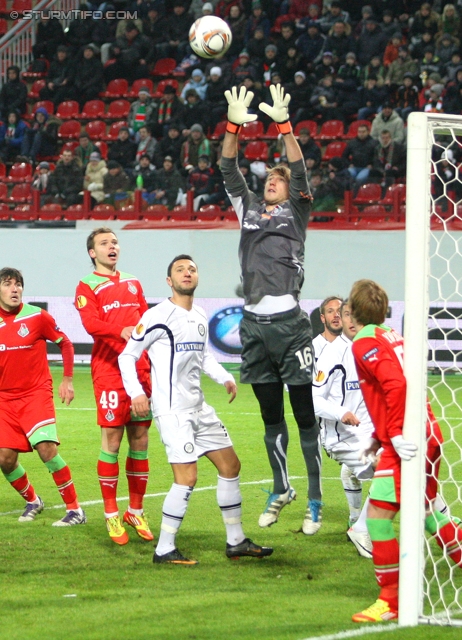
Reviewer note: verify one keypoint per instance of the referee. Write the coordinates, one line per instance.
(275, 332)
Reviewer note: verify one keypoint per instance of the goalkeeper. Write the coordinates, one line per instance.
(275, 333)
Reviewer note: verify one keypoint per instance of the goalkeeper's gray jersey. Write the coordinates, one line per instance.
(272, 245)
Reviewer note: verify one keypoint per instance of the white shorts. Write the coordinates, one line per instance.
(188, 436)
(347, 452)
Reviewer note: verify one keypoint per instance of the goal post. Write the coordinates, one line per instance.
(430, 587)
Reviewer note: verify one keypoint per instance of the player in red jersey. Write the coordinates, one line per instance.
(27, 412)
(378, 353)
(110, 304)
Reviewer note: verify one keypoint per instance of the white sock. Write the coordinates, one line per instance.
(229, 500)
(173, 512)
(353, 492)
(440, 505)
(360, 525)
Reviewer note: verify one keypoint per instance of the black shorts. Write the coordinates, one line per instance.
(276, 348)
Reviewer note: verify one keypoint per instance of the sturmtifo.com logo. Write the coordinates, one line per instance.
(74, 14)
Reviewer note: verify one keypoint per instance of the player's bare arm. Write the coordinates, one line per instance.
(66, 390)
(231, 389)
(140, 406)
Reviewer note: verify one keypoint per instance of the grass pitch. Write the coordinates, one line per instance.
(74, 583)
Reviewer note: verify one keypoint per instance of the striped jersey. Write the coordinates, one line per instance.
(336, 390)
(177, 343)
(23, 352)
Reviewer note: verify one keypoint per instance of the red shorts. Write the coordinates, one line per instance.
(113, 403)
(21, 418)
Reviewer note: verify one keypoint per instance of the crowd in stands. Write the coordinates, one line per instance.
(340, 61)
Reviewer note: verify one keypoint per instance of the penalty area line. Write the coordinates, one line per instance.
(354, 633)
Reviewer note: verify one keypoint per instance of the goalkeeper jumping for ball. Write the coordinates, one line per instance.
(275, 333)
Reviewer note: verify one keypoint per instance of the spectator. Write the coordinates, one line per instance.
(349, 73)
(403, 64)
(122, 25)
(80, 31)
(371, 98)
(424, 19)
(371, 42)
(167, 110)
(453, 103)
(309, 148)
(146, 144)
(178, 25)
(11, 136)
(286, 39)
(359, 153)
(375, 68)
(170, 145)
(85, 149)
(331, 193)
(123, 150)
(390, 121)
(430, 63)
(170, 185)
(40, 180)
(389, 25)
(445, 47)
(66, 181)
(13, 94)
(223, 7)
(93, 180)
(253, 182)
(339, 42)
(311, 45)
(197, 8)
(224, 65)
(155, 28)
(60, 77)
(366, 14)
(269, 66)
(298, 9)
(389, 160)
(243, 69)
(148, 173)
(195, 111)
(116, 184)
(291, 63)
(325, 100)
(48, 37)
(88, 79)
(195, 145)
(237, 22)
(451, 68)
(215, 100)
(200, 179)
(434, 103)
(333, 15)
(104, 33)
(392, 49)
(427, 82)
(417, 49)
(407, 97)
(130, 54)
(197, 82)
(257, 18)
(140, 111)
(452, 88)
(449, 22)
(41, 139)
(256, 47)
(325, 67)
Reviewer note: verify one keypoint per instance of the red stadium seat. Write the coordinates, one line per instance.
(115, 89)
(102, 148)
(127, 213)
(164, 67)
(251, 131)
(45, 104)
(4, 212)
(51, 212)
(3, 192)
(68, 110)
(180, 212)
(311, 125)
(368, 194)
(117, 110)
(219, 130)
(139, 84)
(334, 150)
(92, 110)
(395, 194)
(103, 212)
(96, 129)
(20, 193)
(3, 26)
(256, 150)
(209, 212)
(75, 212)
(156, 212)
(271, 133)
(114, 130)
(171, 82)
(21, 5)
(20, 172)
(353, 128)
(23, 212)
(2, 172)
(33, 75)
(69, 130)
(331, 130)
(229, 214)
(374, 211)
(70, 146)
(37, 86)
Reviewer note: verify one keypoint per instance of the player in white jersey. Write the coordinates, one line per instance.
(346, 426)
(329, 312)
(175, 334)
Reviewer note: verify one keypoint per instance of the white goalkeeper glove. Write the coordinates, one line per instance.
(405, 449)
(368, 454)
(237, 108)
(279, 112)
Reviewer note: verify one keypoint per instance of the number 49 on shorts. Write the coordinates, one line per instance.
(109, 400)
(305, 357)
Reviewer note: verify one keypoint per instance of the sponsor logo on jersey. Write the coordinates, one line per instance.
(201, 330)
(320, 377)
(352, 386)
(23, 330)
(189, 346)
(2, 347)
(132, 288)
(189, 447)
(139, 329)
(369, 354)
(113, 305)
(109, 416)
(224, 330)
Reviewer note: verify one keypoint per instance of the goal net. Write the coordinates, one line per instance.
(430, 584)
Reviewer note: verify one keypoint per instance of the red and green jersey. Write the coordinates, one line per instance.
(23, 353)
(378, 353)
(108, 304)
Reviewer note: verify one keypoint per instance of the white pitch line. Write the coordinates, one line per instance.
(354, 633)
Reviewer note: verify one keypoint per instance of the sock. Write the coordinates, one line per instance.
(63, 480)
(439, 504)
(108, 476)
(276, 442)
(137, 470)
(360, 526)
(19, 481)
(353, 493)
(229, 500)
(385, 556)
(173, 512)
(447, 534)
(311, 449)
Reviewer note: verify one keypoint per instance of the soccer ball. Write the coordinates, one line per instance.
(210, 36)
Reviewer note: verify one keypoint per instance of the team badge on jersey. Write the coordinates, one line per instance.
(189, 447)
(81, 301)
(132, 288)
(139, 329)
(23, 330)
(320, 377)
(201, 329)
(109, 416)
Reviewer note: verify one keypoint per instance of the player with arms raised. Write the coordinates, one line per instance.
(378, 352)
(110, 304)
(27, 412)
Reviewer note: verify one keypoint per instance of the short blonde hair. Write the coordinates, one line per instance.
(368, 302)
